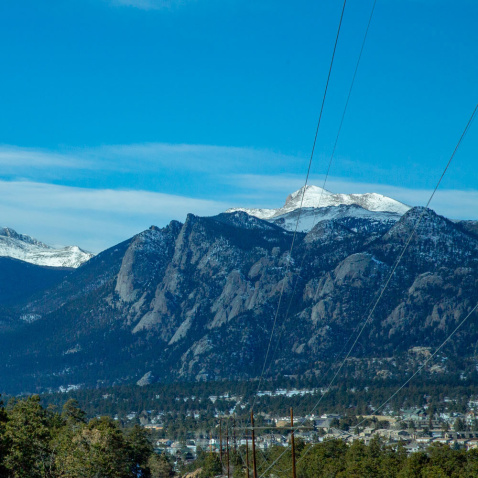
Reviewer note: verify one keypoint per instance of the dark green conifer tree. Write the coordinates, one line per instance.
(3, 441)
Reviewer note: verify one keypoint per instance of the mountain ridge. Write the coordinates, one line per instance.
(196, 300)
(28, 249)
(313, 204)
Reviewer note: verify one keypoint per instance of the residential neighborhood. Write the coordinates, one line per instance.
(413, 428)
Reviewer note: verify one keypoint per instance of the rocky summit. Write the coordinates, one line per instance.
(197, 301)
(310, 204)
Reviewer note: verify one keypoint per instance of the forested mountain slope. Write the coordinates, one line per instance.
(196, 301)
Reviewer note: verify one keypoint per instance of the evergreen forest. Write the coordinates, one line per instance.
(42, 442)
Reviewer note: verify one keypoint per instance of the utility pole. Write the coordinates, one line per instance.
(254, 467)
(292, 442)
(234, 433)
(220, 440)
(227, 450)
(247, 456)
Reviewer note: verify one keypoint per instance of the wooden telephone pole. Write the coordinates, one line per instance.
(254, 467)
(234, 433)
(227, 450)
(292, 442)
(220, 440)
(247, 456)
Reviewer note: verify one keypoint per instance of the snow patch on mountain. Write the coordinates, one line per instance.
(315, 204)
(319, 197)
(28, 249)
(309, 217)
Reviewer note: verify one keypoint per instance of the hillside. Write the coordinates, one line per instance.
(20, 280)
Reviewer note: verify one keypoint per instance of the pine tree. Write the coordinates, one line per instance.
(211, 466)
(160, 467)
(28, 433)
(140, 449)
(3, 441)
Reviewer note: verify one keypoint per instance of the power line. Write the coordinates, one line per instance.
(301, 203)
(325, 181)
(470, 121)
(416, 372)
(397, 262)
(426, 361)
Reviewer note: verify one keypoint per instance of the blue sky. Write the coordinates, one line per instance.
(119, 114)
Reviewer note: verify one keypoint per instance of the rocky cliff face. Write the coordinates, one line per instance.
(197, 300)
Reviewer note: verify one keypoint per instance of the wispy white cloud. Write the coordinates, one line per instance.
(174, 156)
(92, 218)
(113, 201)
(144, 156)
(119, 199)
(272, 190)
(15, 158)
(151, 4)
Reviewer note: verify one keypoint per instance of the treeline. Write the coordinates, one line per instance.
(355, 396)
(336, 459)
(37, 442)
(376, 460)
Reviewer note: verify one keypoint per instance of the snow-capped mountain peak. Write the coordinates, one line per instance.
(313, 197)
(313, 200)
(8, 232)
(29, 249)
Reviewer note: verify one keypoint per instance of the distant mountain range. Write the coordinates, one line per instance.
(196, 300)
(28, 249)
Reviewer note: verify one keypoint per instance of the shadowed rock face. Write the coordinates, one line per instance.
(197, 301)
